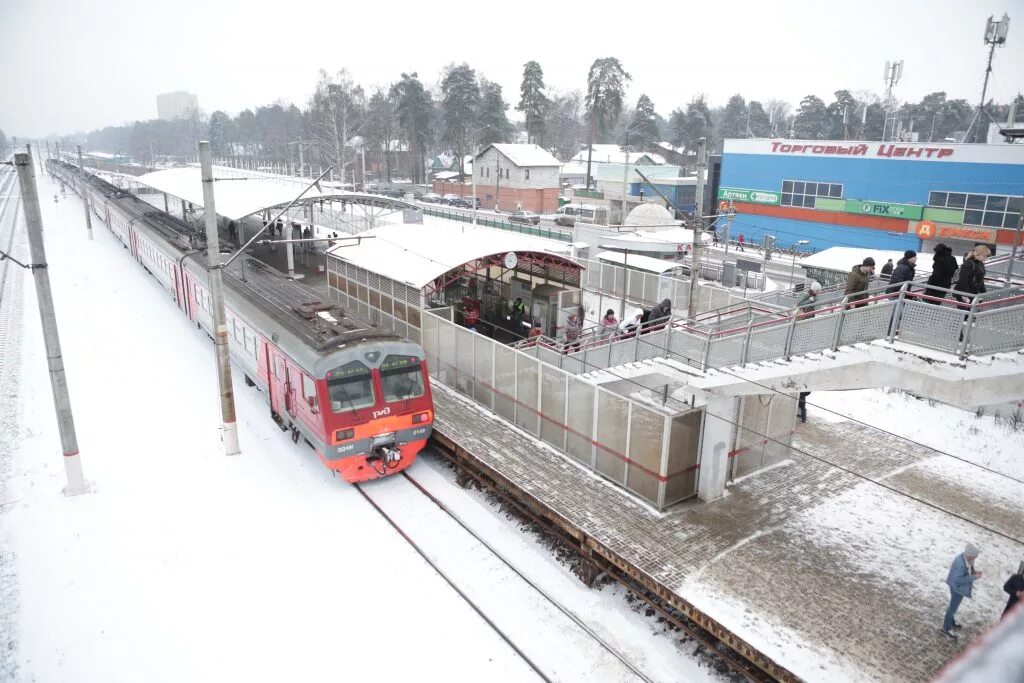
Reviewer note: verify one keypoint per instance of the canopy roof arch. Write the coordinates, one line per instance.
(431, 256)
(246, 193)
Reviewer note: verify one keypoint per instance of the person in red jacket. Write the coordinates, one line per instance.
(740, 240)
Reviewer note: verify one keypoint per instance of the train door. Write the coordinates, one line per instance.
(289, 389)
(276, 379)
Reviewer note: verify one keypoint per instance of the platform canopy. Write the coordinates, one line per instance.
(421, 255)
(241, 193)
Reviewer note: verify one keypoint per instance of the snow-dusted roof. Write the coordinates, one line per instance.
(652, 241)
(447, 175)
(525, 155)
(648, 263)
(242, 193)
(843, 259)
(574, 168)
(613, 154)
(418, 254)
(102, 155)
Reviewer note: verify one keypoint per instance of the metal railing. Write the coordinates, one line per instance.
(490, 221)
(923, 316)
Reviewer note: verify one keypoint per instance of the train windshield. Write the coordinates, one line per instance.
(402, 378)
(350, 387)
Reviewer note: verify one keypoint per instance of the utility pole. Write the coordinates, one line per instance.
(497, 188)
(227, 395)
(302, 162)
(995, 36)
(85, 196)
(625, 181)
(76, 483)
(476, 151)
(698, 233)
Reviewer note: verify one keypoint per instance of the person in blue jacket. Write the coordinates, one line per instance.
(960, 580)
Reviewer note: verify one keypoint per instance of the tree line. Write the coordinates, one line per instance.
(400, 126)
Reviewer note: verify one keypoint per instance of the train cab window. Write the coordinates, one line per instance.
(401, 377)
(350, 387)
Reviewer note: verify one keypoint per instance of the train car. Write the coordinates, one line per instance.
(358, 395)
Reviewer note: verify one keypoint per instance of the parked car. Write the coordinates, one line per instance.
(467, 202)
(524, 217)
(431, 198)
(450, 199)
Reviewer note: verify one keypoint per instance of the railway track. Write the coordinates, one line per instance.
(516, 588)
(9, 209)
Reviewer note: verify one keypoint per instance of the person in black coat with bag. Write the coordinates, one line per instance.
(971, 280)
(944, 266)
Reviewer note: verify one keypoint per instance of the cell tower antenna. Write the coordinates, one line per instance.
(893, 74)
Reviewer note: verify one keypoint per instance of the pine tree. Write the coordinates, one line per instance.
(413, 104)
(643, 135)
(492, 122)
(811, 122)
(606, 90)
(460, 104)
(734, 118)
(382, 126)
(760, 126)
(844, 106)
(533, 102)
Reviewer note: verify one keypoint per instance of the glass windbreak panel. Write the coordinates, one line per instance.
(798, 188)
(937, 199)
(787, 186)
(1014, 203)
(836, 191)
(401, 377)
(956, 200)
(972, 217)
(993, 219)
(350, 387)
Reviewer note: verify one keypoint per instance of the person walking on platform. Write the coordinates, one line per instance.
(516, 314)
(609, 323)
(808, 300)
(232, 231)
(1015, 587)
(661, 313)
(535, 332)
(944, 265)
(857, 281)
(887, 269)
(573, 328)
(904, 271)
(960, 580)
(801, 406)
(971, 279)
(740, 240)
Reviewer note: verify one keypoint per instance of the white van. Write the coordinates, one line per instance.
(585, 213)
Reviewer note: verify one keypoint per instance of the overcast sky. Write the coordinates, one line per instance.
(76, 65)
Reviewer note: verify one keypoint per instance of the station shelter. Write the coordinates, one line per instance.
(396, 271)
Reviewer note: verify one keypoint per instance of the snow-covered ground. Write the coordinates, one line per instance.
(184, 564)
(986, 440)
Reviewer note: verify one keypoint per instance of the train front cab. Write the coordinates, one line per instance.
(378, 411)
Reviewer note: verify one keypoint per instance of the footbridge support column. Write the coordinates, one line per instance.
(720, 416)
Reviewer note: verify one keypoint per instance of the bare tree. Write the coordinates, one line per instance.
(338, 113)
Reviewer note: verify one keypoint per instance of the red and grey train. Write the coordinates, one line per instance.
(359, 395)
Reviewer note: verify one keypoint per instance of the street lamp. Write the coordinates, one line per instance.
(792, 270)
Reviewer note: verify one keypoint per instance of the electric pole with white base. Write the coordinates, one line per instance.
(76, 483)
(227, 395)
(698, 229)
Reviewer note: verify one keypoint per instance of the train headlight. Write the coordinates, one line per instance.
(344, 434)
(420, 417)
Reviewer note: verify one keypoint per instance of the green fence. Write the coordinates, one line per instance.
(490, 222)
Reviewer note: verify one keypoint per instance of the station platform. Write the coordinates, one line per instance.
(827, 574)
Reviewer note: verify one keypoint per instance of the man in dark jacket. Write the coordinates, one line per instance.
(1015, 587)
(858, 279)
(904, 271)
(887, 269)
(972, 273)
(660, 313)
(943, 266)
